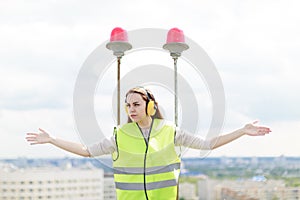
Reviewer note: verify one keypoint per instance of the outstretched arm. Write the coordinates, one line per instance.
(42, 137)
(248, 129)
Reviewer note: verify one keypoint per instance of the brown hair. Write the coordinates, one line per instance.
(146, 95)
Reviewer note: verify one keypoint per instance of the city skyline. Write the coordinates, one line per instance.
(200, 178)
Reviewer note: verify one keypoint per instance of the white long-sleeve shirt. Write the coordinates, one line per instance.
(182, 138)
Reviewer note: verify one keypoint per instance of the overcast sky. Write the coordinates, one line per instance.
(254, 45)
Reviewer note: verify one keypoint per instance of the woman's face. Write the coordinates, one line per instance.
(136, 107)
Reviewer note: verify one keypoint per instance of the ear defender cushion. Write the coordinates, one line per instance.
(151, 108)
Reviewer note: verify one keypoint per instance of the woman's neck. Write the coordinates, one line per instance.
(145, 123)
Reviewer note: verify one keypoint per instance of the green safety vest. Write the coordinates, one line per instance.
(146, 170)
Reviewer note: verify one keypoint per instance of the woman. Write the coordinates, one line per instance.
(146, 165)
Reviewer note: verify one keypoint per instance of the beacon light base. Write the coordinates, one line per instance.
(118, 47)
(176, 48)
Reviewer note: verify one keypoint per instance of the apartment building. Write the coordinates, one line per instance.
(51, 183)
(248, 190)
(187, 191)
(258, 192)
(109, 187)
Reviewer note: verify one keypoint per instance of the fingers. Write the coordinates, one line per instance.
(31, 138)
(33, 143)
(264, 129)
(37, 137)
(257, 130)
(36, 134)
(32, 134)
(42, 130)
(262, 132)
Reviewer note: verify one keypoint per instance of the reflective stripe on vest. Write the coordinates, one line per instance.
(146, 172)
(149, 170)
(149, 186)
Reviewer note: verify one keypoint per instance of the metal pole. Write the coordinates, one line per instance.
(119, 64)
(176, 90)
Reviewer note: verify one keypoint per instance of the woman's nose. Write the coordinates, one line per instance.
(131, 109)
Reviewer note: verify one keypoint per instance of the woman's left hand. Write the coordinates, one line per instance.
(253, 130)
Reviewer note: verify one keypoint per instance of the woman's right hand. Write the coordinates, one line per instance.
(41, 137)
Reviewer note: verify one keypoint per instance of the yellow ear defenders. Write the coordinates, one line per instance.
(150, 104)
(151, 107)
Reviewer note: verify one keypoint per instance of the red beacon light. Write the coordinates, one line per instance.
(175, 35)
(118, 42)
(175, 42)
(175, 45)
(118, 34)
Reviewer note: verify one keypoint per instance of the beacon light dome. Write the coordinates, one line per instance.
(118, 42)
(175, 43)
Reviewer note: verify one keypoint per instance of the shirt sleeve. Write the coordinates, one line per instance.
(105, 146)
(189, 140)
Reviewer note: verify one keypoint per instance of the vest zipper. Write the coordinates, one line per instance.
(145, 156)
(145, 189)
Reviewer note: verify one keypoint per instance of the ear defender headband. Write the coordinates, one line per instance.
(150, 104)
